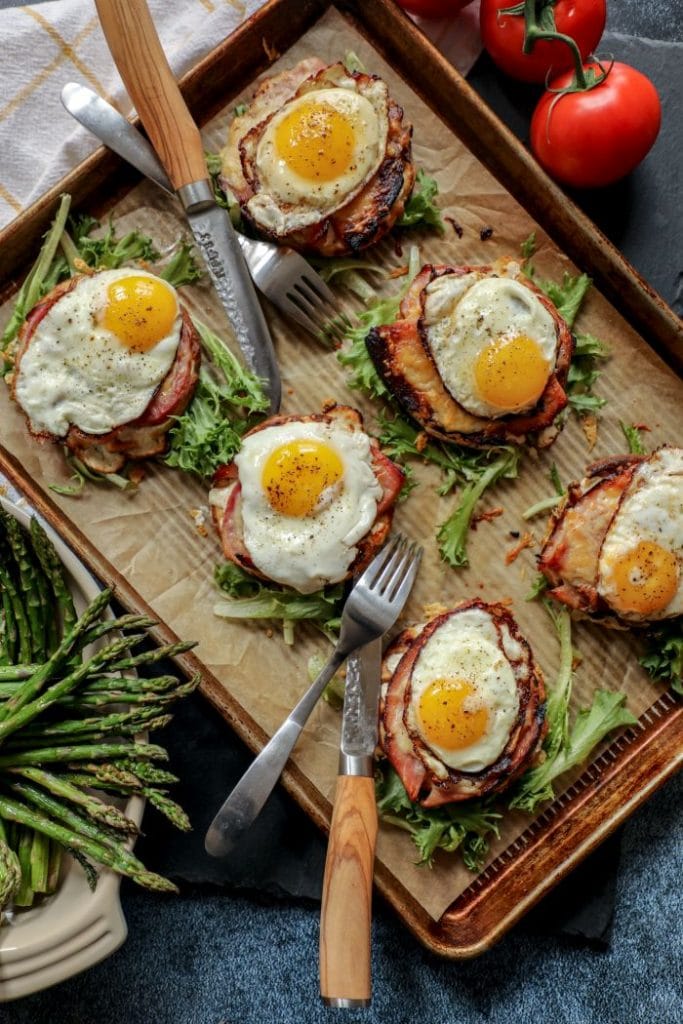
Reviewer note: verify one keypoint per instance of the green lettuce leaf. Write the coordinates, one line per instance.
(248, 598)
(421, 209)
(664, 655)
(227, 402)
(463, 826)
(566, 746)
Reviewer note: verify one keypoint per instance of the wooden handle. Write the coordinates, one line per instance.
(135, 47)
(346, 914)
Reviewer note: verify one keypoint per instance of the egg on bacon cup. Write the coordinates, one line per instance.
(104, 362)
(614, 548)
(462, 711)
(478, 356)
(307, 501)
(321, 159)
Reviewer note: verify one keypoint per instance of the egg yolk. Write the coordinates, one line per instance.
(511, 372)
(316, 141)
(297, 474)
(140, 311)
(445, 722)
(645, 578)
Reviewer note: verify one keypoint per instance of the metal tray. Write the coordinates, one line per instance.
(642, 758)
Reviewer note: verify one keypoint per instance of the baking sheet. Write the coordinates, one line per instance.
(265, 677)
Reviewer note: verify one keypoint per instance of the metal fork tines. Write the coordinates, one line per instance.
(372, 607)
(292, 285)
(280, 273)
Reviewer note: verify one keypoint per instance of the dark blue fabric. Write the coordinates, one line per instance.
(231, 959)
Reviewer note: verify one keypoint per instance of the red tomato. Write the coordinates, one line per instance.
(433, 8)
(503, 37)
(588, 139)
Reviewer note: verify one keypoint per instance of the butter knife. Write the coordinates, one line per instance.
(346, 913)
(137, 52)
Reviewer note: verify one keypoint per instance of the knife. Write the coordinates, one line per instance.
(137, 52)
(346, 912)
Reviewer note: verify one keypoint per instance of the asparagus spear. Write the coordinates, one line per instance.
(81, 752)
(24, 894)
(92, 734)
(85, 700)
(55, 809)
(10, 870)
(108, 773)
(27, 709)
(107, 814)
(133, 684)
(109, 625)
(32, 584)
(149, 657)
(35, 683)
(8, 642)
(23, 630)
(145, 771)
(55, 866)
(39, 860)
(169, 808)
(54, 571)
(64, 730)
(117, 858)
(16, 672)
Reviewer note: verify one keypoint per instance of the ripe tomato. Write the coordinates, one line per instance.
(434, 8)
(503, 37)
(588, 139)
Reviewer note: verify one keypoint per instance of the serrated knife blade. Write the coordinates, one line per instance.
(361, 705)
(141, 61)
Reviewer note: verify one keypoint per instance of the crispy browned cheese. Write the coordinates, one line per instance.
(426, 778)
(400, 352)
(369, 215)
(141, 438)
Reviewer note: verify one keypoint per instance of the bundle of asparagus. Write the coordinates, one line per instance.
(67, 725)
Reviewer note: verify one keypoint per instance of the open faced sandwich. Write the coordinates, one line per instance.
(614, 548)
(478, 356)
(103, 364)
(307, 501)
(320, 159)
(463, 704)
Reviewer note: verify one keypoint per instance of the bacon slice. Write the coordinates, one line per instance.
(401, 354)
(571, 550)
(370, 214)
(414, 761)
(225, 496)
(141, 438)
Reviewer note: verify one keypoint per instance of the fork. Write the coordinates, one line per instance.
(279, 273)
(372, 607)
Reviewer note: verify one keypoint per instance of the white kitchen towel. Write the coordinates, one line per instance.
(46, 45)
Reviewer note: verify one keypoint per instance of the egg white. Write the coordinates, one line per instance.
(467, 646)
(308, 552)
(287, 202)
(651, 510)
(75, 371)
(464, 314)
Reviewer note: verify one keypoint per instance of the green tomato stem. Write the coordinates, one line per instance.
(532, 32)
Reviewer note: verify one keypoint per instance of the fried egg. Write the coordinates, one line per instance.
(640, 567)
(464, 699)
(493, 342)
(97, 357)
(308, 496)
(317, 152)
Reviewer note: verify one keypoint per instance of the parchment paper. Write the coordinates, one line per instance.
(152, 537)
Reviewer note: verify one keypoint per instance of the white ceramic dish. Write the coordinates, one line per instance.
(75, 928)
